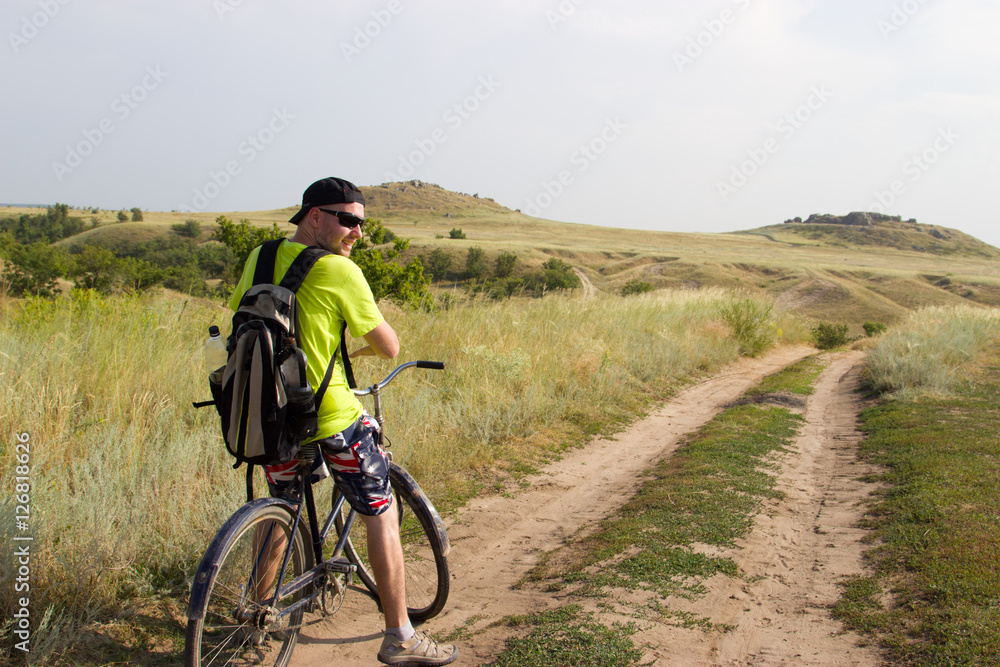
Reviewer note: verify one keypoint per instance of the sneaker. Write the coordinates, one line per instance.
(417, 650)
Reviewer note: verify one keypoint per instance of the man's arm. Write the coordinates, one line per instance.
(382, 342)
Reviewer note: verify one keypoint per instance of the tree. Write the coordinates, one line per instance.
(122, 216)
(456, 233)
(559, 275)
(242, 238)
(101, 270)
(136, 214)
(53, 225)
(33, 269)
(438, 264)
(475, 262)
(403, 284)
(506, 262)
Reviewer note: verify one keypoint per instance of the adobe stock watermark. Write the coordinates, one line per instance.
(900, 15)
(33, 24)
(785, 127)
(913, 170)
(223, 7)
(21, 543)
(364, 35)
(121, 108)
(247, 151)
(582, 158)
(561, 14)
(704, 39)
(453, 117)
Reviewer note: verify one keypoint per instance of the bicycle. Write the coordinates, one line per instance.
(241, 613)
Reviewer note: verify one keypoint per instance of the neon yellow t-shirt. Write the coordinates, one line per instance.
(334, 292)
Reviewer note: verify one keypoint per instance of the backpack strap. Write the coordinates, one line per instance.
(348, 371)
(300, 268)
(264, 270)
(292, 280)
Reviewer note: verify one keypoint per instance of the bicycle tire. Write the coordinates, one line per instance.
(225, 625)
(425, 548)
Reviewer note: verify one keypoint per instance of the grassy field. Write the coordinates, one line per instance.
(934, 597)
(129, 483)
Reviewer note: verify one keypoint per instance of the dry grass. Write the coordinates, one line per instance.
(129, 482)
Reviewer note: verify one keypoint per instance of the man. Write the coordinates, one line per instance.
(335, 292)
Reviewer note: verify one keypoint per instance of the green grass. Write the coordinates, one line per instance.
(799, 378)
(568, 637)
(934, 598)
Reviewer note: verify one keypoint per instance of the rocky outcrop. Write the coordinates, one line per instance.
(855, 218)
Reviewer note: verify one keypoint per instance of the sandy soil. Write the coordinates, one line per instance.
(801, 547)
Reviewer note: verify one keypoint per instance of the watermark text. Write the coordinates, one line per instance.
(31, 25)
(786, 127)
(247, 151)
(21, 543)
(121, 108)
(453, 117)
(913, 170)
(364, 35)
(581, 158)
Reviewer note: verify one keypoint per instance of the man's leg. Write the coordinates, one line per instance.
(385, 554)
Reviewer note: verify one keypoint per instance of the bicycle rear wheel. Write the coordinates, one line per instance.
(231, 618)
(425, 547)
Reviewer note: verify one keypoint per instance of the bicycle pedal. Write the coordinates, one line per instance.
(339, 565)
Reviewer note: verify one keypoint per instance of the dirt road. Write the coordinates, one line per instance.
(801, 547)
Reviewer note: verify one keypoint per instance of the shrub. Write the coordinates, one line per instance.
(873, 328)
(829, 336)
(189, 228)
(925, 352)
(136, 214)
(402, 284)
(636, 286)
(242, 238)
(122, 216)
(750, 322)
(456, 233)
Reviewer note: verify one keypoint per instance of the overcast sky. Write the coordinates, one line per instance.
(668, 115)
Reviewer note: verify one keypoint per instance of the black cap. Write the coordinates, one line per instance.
(328, 191)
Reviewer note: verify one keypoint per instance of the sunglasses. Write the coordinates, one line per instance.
(348, 220)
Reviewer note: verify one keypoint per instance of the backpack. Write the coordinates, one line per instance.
(265, 403)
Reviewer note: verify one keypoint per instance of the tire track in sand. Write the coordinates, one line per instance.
(497, 539)
(800, 548)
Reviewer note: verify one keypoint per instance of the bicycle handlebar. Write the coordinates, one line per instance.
(374, 389)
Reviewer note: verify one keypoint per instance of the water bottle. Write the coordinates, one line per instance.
(215, 351)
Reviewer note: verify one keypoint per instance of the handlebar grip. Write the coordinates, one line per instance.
(435, 365)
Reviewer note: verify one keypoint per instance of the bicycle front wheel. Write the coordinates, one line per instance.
(233, 616)
(425, 547)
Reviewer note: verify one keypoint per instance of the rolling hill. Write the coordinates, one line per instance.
(851, 268)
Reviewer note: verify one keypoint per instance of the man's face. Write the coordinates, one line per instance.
(331, 235)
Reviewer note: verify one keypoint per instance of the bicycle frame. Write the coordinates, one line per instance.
(299, 497)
